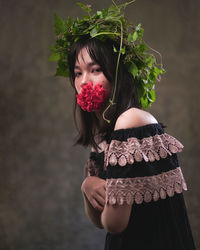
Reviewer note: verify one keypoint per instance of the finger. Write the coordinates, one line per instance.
(97, 202)
(101, 192)
(97, 206)
(100, 200)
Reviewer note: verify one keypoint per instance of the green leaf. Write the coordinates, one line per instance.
(152, 95)
(59, 25)
(94, 31)
(114, 49)
(140, 90)
(141, 47)
(145, 81)
(140, 34)
(158, 71)
(123, 50)
(68, 22)
(54, 57)
(138, 27)
(104, 13)
(150, 61)
(163, 71)
(99, 13)
(133, 69)
(113, 8)
(76, 39)
(86, 8)
(144, 102)
(129, 37)
(133, 37)
(113, 11)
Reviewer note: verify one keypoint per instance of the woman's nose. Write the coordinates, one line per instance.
(85, 79)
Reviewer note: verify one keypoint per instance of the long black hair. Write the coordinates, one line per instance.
(102, 53)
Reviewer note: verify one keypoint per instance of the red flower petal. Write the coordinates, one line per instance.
(91, 98)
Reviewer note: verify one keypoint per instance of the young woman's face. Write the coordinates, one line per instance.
(86, 70)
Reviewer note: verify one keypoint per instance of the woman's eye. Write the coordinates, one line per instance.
(77, 74)
(97, 70)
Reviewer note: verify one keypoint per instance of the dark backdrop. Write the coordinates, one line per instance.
(40, 171)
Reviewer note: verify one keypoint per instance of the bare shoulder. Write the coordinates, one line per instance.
(134, 117)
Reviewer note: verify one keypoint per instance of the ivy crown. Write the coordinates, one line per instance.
(110, 23)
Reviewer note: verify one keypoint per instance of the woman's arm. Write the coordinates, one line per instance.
(93, 214)
(93, 190)
(115, 218)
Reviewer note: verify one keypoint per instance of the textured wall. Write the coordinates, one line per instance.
(41, 172)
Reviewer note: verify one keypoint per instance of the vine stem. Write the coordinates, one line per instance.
(124, 5)
(106, 33)
(111, 101)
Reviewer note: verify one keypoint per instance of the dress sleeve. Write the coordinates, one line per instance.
(142, 166)
(91, 166)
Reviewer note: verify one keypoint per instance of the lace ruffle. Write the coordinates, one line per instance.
(148, 149)
(139, 189)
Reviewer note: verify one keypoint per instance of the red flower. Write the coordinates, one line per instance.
(90, 98)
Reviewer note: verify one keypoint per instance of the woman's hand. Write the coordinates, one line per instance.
(94, 189)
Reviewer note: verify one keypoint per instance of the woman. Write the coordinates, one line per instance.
(133, 185)
(161, 221)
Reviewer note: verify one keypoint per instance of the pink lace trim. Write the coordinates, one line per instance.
(149, 149)
(139, 189)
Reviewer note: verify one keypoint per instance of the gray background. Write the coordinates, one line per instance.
(40, 170)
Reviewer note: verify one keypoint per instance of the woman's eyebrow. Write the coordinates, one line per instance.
(92, 63)
(88, 64)
(76, 67)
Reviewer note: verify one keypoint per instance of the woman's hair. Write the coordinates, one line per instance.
(102, 53)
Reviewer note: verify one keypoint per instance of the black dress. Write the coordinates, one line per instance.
(141, 168)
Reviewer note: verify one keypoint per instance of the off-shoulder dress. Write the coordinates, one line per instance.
(141, 168)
